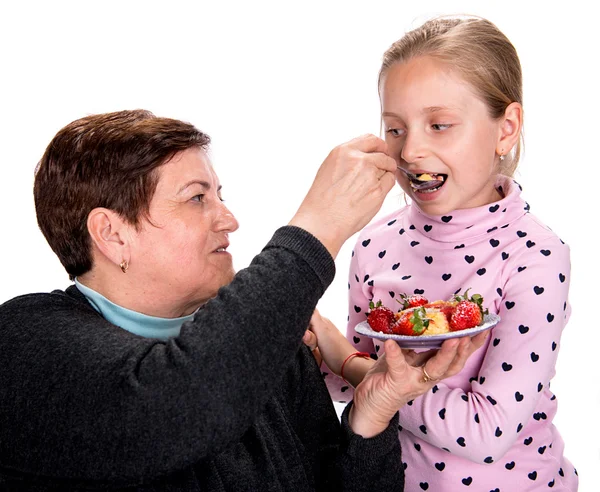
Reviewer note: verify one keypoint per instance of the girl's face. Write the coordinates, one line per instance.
(441, 135)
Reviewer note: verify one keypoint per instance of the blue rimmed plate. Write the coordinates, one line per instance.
(428, 341)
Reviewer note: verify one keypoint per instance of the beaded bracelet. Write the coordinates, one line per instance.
(364, 355)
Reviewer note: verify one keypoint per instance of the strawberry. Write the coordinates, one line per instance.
(411, 322)
(380, 318)
(468, 312)
(412, 301)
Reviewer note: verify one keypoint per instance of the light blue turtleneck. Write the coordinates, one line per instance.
(132, 321)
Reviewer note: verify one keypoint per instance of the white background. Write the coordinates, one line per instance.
(277, 85)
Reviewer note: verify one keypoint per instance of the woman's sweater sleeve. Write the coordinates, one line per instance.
(484, 421)
(100, 402)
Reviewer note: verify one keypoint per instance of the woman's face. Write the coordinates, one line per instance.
(435, 126)
(180, 255)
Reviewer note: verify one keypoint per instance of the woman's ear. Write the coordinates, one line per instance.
(510, 128)
(109, 234)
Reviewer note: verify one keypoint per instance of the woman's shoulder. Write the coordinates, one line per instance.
(43, 305)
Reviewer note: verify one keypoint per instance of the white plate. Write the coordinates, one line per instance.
(428, 341)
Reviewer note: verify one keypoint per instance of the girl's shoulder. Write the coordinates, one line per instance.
(383, 223)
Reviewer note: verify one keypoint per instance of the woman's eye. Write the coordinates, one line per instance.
(440, 126)
(395, 132)
(198, 198)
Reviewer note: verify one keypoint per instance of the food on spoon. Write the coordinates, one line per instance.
(419, 317)
(424, 177)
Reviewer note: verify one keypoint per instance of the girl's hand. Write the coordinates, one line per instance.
(332, 345)
(310, 340)
(393, 381)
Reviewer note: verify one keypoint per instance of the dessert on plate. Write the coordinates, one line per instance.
(418, 316)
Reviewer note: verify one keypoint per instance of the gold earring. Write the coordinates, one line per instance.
(502, 154)
(124, 266)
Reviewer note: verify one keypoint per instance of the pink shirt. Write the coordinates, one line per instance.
(489, 427)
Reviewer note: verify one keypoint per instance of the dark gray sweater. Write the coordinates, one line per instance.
(234, 403)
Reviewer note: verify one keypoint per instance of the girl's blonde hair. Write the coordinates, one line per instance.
(478, 52)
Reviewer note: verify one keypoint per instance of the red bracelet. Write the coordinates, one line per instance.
(364, 355)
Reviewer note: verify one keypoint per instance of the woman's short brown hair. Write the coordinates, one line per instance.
(106, 160)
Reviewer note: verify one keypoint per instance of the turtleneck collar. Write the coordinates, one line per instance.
(132, 321)
(471, 223)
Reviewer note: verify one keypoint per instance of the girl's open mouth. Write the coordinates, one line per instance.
(426, 182)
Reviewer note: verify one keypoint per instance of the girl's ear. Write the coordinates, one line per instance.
(510, 128)
(109, 234)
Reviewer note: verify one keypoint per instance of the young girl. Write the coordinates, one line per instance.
(451, 98)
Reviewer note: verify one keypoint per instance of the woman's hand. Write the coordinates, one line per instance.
(347, 192)
(393, 381)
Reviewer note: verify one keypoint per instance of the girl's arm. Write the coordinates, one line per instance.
(484, 421)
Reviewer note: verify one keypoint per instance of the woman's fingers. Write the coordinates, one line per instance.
(437, 366)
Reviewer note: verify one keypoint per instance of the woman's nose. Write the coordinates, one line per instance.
(225, 220)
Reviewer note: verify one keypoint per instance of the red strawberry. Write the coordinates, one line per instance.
(412, 301)
(380, 318)
(411, 322)
(468, 312)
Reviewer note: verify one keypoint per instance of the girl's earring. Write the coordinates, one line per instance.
(501, 154)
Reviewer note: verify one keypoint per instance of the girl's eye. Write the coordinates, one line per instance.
(395, 132)
(440, 126)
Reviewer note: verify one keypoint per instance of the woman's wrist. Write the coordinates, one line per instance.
(363, 425)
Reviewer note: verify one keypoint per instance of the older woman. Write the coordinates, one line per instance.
(162, 369)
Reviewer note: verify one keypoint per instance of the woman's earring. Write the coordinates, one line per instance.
(124, 266)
